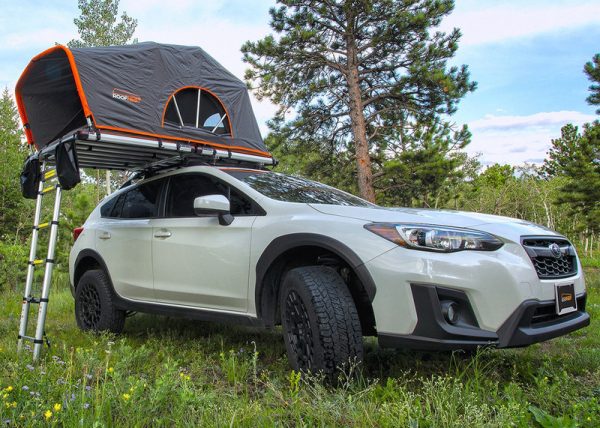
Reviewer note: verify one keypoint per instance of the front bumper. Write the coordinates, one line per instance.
(533, 321)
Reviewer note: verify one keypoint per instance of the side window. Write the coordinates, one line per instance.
(113, 207)
(183, 189)
(106, 209)
(141, 201)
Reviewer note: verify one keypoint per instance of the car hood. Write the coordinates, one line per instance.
(502, 226)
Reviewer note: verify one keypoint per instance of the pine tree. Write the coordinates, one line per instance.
(97, 25)
(576, 156)
(13, 152)
(592, 69)
(358, 73)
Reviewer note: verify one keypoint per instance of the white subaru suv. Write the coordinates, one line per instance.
(262, 248)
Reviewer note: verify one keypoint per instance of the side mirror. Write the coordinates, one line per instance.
(214, 204)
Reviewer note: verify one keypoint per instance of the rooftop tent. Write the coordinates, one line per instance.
(146, 90)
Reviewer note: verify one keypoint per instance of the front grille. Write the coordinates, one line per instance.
(549, 264)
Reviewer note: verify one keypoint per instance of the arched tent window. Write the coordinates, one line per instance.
(197, 108)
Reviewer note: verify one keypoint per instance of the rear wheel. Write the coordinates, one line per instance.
(321, 327)
(94, 308)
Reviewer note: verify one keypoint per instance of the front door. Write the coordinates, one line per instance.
(197, 262)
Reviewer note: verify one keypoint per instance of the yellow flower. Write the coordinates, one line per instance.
(8, 388)
(13, 404)
(47, 414)
(126, 397)
(4, 396)
(57, 407)
(111, 370)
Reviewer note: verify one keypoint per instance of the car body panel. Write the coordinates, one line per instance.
(205, 265)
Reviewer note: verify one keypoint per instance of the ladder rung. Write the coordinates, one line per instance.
(33, 339)
(49, 174)
(45, 225)
(48, 189)
(38, 262)
(34, 300)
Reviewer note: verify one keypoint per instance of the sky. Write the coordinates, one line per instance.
(526, 56)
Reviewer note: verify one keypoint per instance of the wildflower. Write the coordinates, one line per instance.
(13, 404)
(9, 388)
(4, 396)
(73, 397)
(29, 367)
(86, 405)
(47, 414)
(126, 397)
(88, 388)
(25, 388)
(111, 370)
(57, 407)
(88, 376)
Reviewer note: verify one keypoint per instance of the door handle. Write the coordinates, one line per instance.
(162, 234)
(104, 235)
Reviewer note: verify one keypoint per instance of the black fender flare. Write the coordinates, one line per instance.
(287, 242)
(89, 253)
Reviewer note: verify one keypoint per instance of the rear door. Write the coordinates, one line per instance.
(197, 262)
(124, 240)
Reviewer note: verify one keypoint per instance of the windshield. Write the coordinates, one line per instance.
(295, 189)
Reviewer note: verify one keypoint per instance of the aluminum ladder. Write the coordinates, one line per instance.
(48, 184)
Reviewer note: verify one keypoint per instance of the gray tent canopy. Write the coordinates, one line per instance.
(141, 92)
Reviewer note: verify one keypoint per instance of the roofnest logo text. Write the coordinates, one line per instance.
(123, 95)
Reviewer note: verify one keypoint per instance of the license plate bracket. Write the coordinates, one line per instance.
(565, 298)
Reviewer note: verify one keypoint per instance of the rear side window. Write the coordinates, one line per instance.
(139, 202)
(107, 208)
(142, 201)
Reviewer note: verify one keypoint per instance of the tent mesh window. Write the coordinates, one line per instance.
(197, 108)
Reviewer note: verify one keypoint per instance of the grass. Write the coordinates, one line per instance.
(165, 372)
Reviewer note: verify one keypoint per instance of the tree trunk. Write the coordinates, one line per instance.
(357, 120)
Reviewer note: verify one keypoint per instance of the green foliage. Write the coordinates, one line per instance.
(576, 156)
(362, 76)
(423, 167)
(165, 372)
(97, 25)
(13, 260)
(592, 70)
(13, 208)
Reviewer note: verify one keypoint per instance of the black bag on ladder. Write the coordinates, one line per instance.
(30, 177)
(67, 166)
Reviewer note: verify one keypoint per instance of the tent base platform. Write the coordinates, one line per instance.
(119, 152)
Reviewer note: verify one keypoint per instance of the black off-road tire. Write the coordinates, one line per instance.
(321, 326)
(94, 308)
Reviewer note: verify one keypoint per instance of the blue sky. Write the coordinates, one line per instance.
(527, 57)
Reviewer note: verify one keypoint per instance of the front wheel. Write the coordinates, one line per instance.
(94, 308)
(321, 326)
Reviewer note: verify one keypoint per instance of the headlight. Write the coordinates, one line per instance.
(435, 238)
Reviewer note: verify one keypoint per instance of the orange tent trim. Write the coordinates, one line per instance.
(21, 106)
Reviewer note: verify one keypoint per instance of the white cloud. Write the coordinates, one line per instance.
(484, 22)
(519, 139)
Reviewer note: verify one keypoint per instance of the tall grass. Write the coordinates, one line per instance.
(165, 372)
